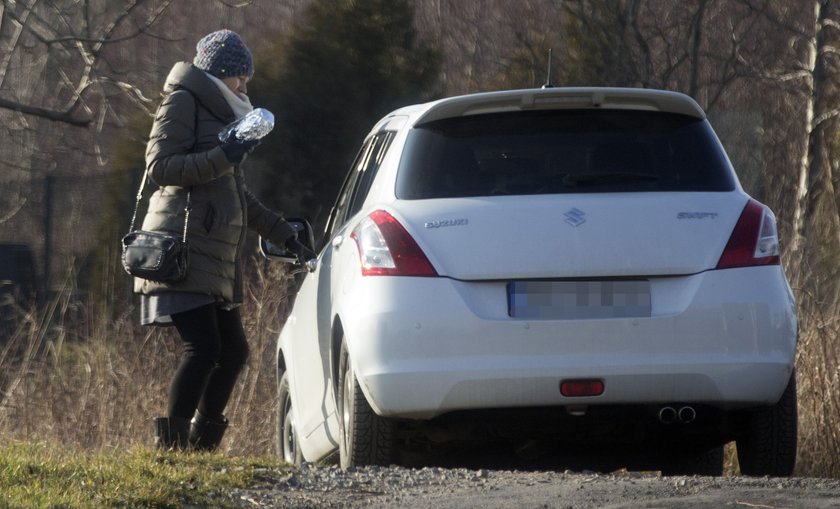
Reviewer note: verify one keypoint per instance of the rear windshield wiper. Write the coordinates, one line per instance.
(607, 178)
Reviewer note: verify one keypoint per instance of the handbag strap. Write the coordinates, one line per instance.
(187, 208)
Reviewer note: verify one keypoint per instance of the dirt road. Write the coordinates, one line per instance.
(320, 487)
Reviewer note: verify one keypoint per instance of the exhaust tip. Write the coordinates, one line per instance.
(687, 414)
(667, 415)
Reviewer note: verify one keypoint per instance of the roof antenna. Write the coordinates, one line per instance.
(548, 83)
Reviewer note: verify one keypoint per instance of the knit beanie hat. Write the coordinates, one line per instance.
(223, 54)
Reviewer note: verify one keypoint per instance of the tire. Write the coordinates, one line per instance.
(767, 443)
(365, 438)
(287, 441)
(708, 463)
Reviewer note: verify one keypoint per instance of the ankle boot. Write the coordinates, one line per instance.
(172, 433)
(205, 433)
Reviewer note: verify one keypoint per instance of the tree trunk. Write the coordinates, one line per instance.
(804, 194)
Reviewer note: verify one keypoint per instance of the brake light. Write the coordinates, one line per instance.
(386, 248)
(754, 241)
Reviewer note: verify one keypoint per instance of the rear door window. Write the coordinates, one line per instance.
(368, 169)
(358, 181)
(345, 196)
(562, 151)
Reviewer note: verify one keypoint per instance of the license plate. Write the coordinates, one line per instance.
(575, 300)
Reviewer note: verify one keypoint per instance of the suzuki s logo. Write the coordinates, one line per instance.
(575, 217)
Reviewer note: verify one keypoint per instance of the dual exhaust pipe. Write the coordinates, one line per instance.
(671, 415)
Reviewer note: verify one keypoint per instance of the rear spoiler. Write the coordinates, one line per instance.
(563, 98)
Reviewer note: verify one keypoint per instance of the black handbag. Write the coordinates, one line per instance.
(156, 256)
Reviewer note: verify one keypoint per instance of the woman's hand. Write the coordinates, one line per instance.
(235, 149)
(302, 252)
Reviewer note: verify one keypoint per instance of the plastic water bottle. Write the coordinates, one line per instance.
(253, 126)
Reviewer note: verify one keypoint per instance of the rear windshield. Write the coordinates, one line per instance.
(567, 151)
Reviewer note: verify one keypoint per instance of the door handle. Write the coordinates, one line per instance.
(336, 242)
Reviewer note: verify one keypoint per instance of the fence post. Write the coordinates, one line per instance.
(49, 184)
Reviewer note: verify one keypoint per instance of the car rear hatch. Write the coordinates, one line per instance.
(573, 236)
(580, 193)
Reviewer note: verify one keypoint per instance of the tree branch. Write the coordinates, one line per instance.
(87, 44)
(240, 4)
(59, 116)
(763, 11)
(827, 115)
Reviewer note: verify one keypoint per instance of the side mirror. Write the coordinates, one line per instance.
(280, 254)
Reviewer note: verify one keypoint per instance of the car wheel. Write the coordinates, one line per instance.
(705, 463)
(287, 441)
(366, 438)
(767, 445)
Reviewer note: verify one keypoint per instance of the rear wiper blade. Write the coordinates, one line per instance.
(607, 178)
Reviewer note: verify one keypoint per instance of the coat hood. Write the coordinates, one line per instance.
(187, 76)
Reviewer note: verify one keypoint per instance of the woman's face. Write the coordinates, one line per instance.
(238, 84)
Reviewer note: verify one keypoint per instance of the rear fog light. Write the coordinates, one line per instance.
(581, 388)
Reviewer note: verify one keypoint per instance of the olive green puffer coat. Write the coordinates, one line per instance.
(183, 153)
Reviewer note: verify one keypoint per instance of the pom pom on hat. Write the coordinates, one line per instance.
(223, 54)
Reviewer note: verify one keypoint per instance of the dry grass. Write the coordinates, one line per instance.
(818, 378)
(74, 377)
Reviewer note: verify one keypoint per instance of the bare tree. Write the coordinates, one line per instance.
(809, 80)
(66, 42)
(693, 47)
(493, 44)
(818, 72)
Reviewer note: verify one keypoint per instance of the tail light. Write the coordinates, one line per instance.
(754, 240)
(386, 248)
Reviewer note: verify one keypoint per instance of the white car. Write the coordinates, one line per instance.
(579, 265)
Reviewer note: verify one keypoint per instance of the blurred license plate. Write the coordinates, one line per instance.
(570, 300)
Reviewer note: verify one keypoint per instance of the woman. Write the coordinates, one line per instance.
(186, 160)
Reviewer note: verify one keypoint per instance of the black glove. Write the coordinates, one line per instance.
(235, 149)
(302, 252)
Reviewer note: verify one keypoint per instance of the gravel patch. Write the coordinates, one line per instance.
(322, 487)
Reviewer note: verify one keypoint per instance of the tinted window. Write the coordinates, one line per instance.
(368, 169)
(342, 203)
(568, 151)
(357, 183)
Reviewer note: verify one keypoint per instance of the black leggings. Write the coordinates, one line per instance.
(215, 350)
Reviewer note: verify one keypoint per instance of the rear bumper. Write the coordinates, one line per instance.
(722, 338)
